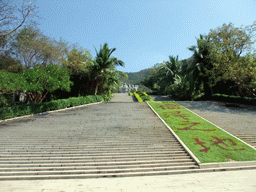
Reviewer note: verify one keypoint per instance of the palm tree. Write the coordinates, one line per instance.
(110, 83)
(200, 64)
(102, 63)
(167, 72)
(171, 67)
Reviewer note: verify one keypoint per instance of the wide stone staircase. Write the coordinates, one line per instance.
(102, 140)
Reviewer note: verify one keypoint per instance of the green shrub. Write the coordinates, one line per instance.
(4, 101)
(33, 108)
(234, 99)
(138, 97)
(142, 96)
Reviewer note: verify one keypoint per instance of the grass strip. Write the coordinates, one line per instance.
(207, 142)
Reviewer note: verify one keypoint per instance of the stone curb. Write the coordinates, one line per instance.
(224, 165)
(228, 164)
(176, 136)
(47, 112)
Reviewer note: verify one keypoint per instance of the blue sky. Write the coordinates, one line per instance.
(144, 32)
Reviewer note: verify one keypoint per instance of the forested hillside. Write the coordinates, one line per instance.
(135, 78)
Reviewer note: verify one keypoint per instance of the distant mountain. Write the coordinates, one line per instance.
(134, 78)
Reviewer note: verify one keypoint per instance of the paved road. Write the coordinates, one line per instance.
(243, 180)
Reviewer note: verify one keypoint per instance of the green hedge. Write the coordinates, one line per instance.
(139, 99)
(142, 96)
(234, 99)
(34, 108)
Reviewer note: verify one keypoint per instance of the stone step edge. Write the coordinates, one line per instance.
(227, 164)
(100, 163)
(103, 139)
(131, 174)
(95, 160)
(65, 151)
(86, 155)
(89, 148)
(102, 167)
(4, 160)
(90, 154)
(117, 143)
(96, 171)
(78, 152)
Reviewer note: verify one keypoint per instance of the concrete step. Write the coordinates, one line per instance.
(83, 144)
(97, 171)
(110, 163)
(50, 168)
(126, 174)
(88, 148)
(83, 151)
(74, 154)
(86, 155)
(79, 151)
(87, 143)
(108, 140)
(98, 159)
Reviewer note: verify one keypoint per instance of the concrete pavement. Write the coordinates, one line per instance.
(244, 181)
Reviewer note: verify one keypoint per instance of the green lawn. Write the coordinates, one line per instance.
(208, 143)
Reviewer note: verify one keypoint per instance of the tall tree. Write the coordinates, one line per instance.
(13, 15)
(111, 81)
(229, 44)
(33, 48)
(168, 71)
(40, 81)
(78, 61)
(201, 62)
(102, 63)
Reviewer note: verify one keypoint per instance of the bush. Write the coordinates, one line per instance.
(138, 97)
(5, 101)
(34, 108)
(142, 96)
(234, 99)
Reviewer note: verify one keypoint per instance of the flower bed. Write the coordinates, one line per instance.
(207, 142)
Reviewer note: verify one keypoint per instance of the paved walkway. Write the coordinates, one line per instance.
(232, 181)
(242, 180)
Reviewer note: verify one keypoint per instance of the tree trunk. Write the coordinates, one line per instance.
(43, 96)
(96, 89)
(13, 98)
(207, 89)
